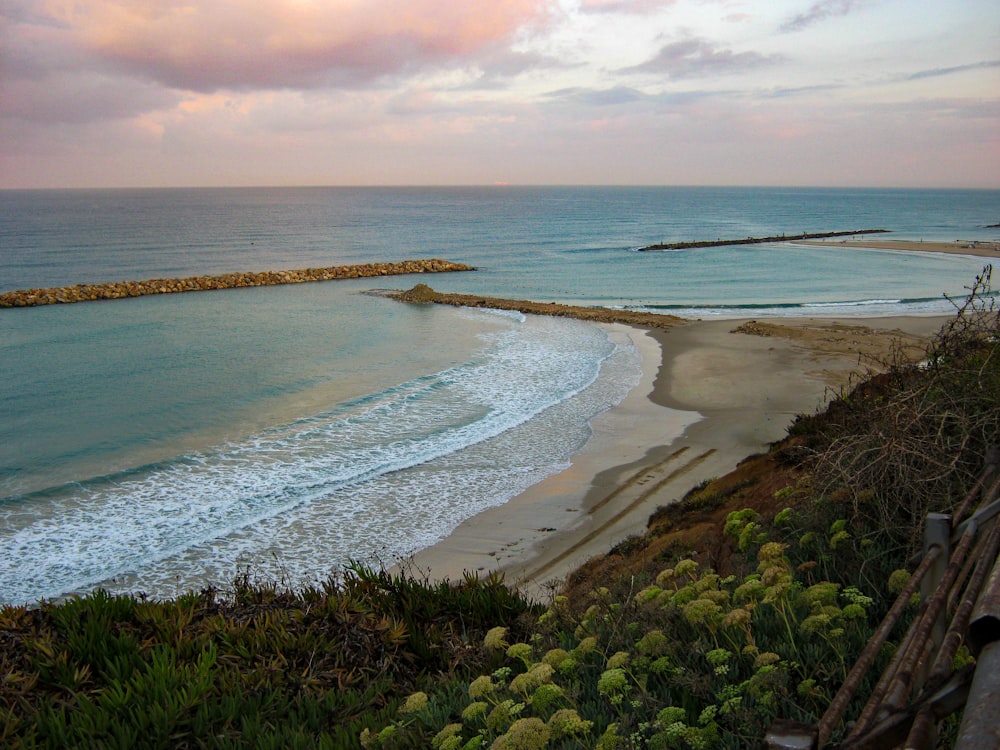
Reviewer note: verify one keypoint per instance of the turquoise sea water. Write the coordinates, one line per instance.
(162, 443)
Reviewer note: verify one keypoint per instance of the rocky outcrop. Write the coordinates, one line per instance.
(123, 289)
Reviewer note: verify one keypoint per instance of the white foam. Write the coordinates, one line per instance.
(384, 474)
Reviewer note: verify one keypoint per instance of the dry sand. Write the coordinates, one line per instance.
(713, 392)
(709, 398)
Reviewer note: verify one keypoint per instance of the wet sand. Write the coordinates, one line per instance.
(709, 397)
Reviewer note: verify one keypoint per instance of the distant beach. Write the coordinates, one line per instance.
(979, 248)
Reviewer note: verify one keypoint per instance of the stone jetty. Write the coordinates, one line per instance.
(758, 240)
(422, 294)
(124, 289)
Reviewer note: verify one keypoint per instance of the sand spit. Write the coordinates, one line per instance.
(124, 289)
(423, 294)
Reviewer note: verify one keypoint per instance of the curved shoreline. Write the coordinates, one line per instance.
(125, 289)
(712, 393)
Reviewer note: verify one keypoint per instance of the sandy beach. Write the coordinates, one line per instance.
(982, 249)
(712, 393)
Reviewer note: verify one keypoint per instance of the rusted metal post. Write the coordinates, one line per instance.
(984, 627)
(892, 731)
(912, 663)
(922, 733)
(980, 729)
(868, 714)
(937, 533)
(868, 656)
(984, 556)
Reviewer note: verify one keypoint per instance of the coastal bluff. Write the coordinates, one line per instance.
(125, 289)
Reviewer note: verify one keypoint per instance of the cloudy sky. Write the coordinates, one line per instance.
(98, 93)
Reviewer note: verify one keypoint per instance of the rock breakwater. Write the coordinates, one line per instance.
(423, 294)
(759, 240)
(125, 289)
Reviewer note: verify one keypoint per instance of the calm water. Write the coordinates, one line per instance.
(161, 443)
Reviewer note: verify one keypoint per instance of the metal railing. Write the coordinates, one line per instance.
(958, 574)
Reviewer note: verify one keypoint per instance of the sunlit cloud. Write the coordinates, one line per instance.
(179, 92)
(282, 43)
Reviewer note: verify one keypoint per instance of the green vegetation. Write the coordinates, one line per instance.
(688, 659)
(263, 668)
(683, 644)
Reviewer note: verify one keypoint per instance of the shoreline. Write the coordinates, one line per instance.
(976, 248)
(532, 528)
(708, 398)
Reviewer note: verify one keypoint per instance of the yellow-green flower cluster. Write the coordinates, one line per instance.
(545, 696)
(613, 684)
(524, 734)
(415, 702)
(481, 687)
(474, 710)
(527, 682)
(566, 722)
(617, 660)
(522, 651)
(495, 639)
(448, 738)
(503, 715)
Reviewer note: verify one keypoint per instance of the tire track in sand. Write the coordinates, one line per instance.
(631, 493)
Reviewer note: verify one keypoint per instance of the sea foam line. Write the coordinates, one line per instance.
(108, 528)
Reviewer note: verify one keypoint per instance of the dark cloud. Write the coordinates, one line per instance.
(47, 79)
(691, 58)
(944, 109)
(599, 97)
(625, 95)
(820, 11)
(789, 91)
(938, 72)
(81, 98)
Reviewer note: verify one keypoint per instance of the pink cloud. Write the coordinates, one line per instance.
(287, 43)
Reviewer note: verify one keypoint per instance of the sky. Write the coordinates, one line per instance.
(157, 93)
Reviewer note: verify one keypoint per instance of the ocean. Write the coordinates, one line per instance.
(165, 443)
